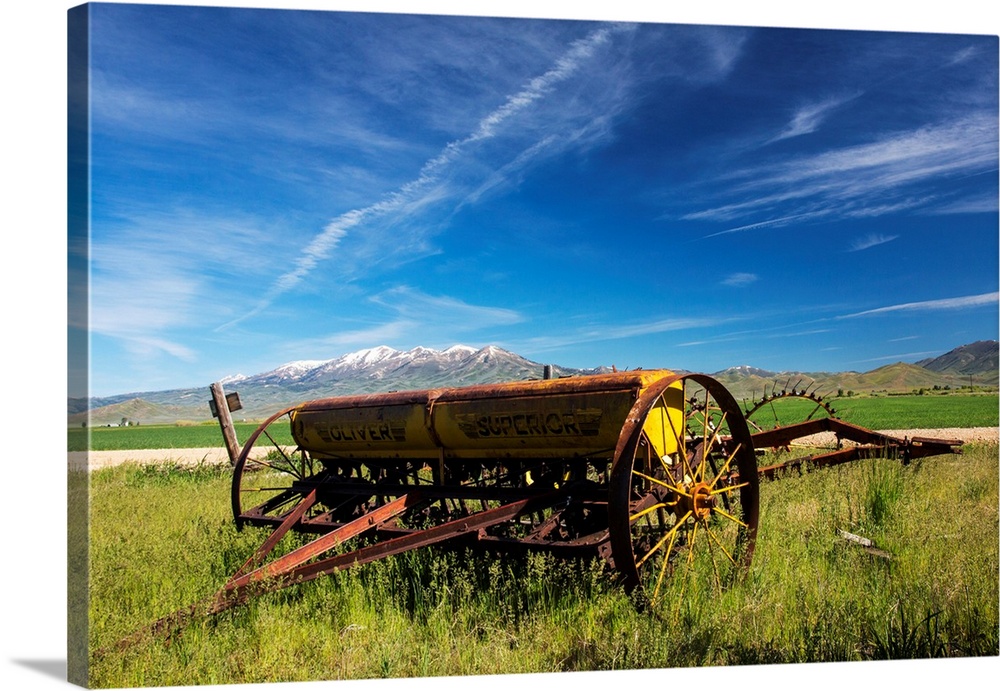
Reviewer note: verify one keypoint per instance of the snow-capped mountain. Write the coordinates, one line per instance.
(365, 371)
(416, 368)
(745, 371)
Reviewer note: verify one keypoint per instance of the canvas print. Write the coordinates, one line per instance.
(428, 346)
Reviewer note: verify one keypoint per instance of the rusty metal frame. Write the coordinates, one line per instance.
(869, 444)
(296, 566)
(604, 504)
(390, 537)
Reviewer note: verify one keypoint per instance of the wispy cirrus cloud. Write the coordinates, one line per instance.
(415, 316)
(738, 280)
(958, 147)
(414, 304)
(552, 145)
(425, 187)
(983, 203)
(901, 357)
(808, 118)
(966, 302)
(869, 241)
(398, 330)
(785, 331)
(152, 269)
(892, 173)
(613, 331)
(769, 223)
(137, 305)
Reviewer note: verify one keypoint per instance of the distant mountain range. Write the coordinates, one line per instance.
(365, 371)
(386, 369)
(976, 358)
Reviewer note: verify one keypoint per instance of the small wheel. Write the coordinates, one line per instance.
(270, 478)
(683, 488)
(782, 408)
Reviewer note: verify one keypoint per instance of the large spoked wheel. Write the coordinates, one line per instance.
(271, 476)
(683, 490)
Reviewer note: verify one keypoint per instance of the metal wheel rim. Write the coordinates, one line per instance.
(635, 563)
(251, 456)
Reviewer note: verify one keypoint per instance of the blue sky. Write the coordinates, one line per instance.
(278, 185)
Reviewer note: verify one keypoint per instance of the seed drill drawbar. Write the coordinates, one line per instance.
(652, 471)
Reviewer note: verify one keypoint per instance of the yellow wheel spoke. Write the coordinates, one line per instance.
(662, 540)
(663, 430)
(663, 567)
(719, 511)
(704, 435)
(652, 508)
(708, 447)
(688, 470)
(725, 467)
(681, 448)
(711, 553)
(694, 532)
(688, 569)
(663, 463)
(652, 450)
(719, 543)
(661, 483)
(729, 488)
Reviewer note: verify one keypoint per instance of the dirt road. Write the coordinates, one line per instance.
(104, 459)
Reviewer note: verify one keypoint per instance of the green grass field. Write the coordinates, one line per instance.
(160, 437)
(908, 412)
(885, 412)
(163, 538)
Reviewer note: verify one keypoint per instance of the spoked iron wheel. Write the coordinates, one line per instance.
(779, 409)
(270, 478)
(782, 408)
(683, 490)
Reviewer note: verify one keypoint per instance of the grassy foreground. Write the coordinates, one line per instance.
(163, 538)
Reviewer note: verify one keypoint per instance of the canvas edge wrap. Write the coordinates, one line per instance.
(78, 338)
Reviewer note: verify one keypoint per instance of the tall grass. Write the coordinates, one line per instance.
(164, 539)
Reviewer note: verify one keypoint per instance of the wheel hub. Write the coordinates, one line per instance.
(699, 501)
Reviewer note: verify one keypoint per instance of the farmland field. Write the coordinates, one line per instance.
(159, 437)
(809, 595)
(883, 412)
(929, 411)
